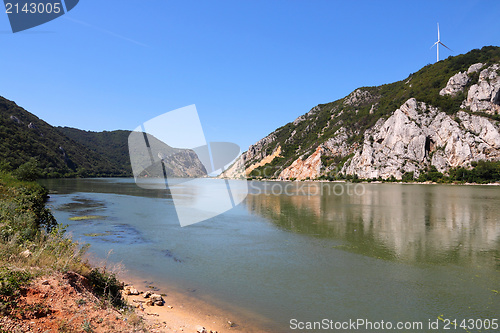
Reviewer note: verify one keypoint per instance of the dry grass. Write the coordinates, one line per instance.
(44, 254)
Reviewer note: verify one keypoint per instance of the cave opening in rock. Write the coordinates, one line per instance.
(429, 145)
(496, 97)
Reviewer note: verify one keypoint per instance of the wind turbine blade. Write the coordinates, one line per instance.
(446, 46)
(434, 45)
(438, 33)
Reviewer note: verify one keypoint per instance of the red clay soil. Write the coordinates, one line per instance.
(63, 303)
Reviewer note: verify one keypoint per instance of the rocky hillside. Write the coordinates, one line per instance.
(25, 136)
(115, 146)
(442, 117)
(70, 152)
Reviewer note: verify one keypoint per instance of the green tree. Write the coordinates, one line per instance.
(5, 166)
(408, 177)
(28, 171)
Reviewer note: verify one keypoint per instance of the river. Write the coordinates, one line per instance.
(299, 252)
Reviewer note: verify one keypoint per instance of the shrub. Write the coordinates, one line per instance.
(432, 175)
(106, 285)
(408, 177)
(11, 282)
(28, 171)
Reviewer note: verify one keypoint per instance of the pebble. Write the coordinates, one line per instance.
(130, 290)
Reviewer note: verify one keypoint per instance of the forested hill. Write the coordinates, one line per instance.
(25, 137)
(69, 152)
(111, 144)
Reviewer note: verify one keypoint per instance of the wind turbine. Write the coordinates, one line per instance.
(437, 45)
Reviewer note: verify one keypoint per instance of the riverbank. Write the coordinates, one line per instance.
(365, 181)
(48, 284)
(64, 302)
(182, 312)
(45, 285)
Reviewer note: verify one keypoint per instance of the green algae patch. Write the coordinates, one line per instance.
(87, 217)
(98, 234)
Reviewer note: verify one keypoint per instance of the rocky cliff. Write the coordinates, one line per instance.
(416, 136)
(444, 116)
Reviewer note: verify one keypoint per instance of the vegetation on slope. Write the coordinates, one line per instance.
(321, 123)
(32, 244)
(70, 152)
(482, 172)
(112, 144)
(25, 136)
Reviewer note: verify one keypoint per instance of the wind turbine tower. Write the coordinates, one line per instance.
(437, 45)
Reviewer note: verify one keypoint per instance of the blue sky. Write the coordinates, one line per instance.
(249, 66)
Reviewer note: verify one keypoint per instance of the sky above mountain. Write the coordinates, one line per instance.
(248, 66)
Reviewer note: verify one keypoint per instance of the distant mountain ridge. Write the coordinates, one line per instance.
(70, 152)
(115, 146)
(442, 117)
(26, 136)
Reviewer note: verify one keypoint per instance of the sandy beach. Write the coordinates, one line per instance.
(183, 312)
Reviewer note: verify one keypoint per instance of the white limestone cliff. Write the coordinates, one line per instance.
(485, 95)
(416, 136)
(411, 139)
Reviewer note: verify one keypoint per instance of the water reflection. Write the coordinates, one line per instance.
(415, 223)
(124, 186)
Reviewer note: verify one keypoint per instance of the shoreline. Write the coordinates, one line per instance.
(360, 181)
(363, 181)
(182, 312)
